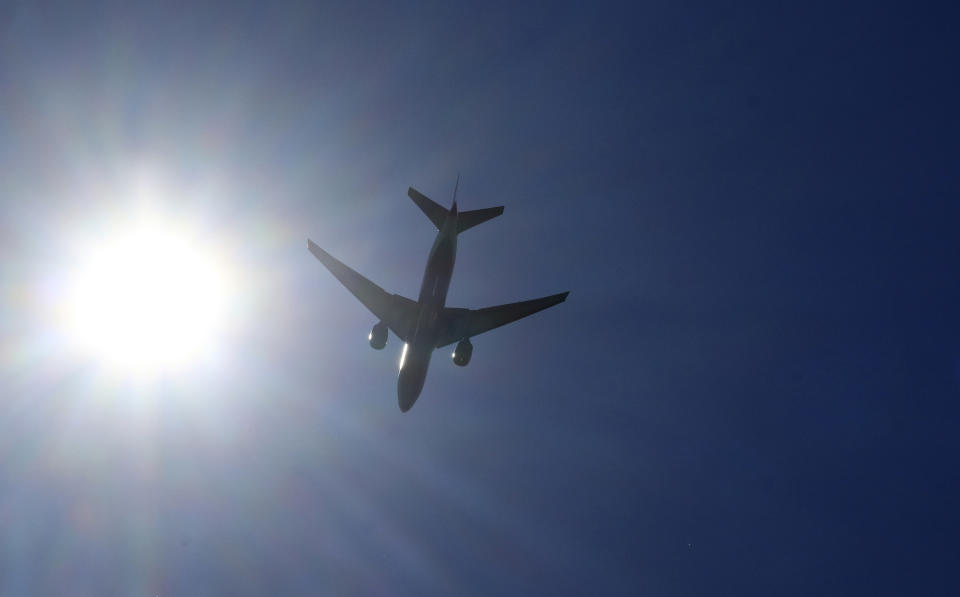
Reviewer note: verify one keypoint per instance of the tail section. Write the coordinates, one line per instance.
(469, 219)
(438, 214)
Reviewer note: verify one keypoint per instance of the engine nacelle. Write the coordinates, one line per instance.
(461, 356)
(378, 336)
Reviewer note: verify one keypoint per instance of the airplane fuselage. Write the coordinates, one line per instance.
(433, 297)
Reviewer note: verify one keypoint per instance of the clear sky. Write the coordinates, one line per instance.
(753, 388)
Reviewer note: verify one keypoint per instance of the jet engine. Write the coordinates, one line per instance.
(461, 356)
(378, 336)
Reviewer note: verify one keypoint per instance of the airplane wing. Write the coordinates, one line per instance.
(458, 324)
(399, 313)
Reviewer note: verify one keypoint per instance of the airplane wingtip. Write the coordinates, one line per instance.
(315, 249)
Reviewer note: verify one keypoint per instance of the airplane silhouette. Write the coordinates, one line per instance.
(427, 324)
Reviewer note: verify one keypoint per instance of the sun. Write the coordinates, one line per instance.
(149, 297)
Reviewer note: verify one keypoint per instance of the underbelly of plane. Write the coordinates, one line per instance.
(413, 372)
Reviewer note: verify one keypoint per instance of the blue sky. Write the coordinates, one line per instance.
(753, 388)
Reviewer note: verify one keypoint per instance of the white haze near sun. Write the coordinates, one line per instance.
(145, 288)
(148, 298)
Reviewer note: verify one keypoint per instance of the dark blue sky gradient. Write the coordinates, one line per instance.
(753, 389)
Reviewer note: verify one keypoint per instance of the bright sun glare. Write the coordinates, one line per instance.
(152, 298)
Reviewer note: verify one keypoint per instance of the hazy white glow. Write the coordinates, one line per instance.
(150, 298)
(403, 355)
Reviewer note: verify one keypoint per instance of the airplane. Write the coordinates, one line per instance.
(427, 323)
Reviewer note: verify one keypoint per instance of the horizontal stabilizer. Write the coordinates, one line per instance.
(469, 219)
(437, 213)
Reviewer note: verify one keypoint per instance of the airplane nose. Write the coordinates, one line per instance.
(406, 396)
(412, 374)
(408, 390)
